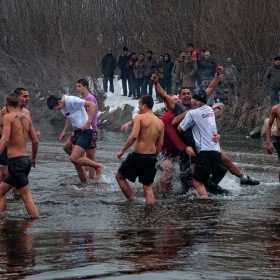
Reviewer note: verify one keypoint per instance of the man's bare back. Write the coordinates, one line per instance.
(151, 128)
(20, 128)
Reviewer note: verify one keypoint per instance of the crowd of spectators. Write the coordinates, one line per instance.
(193, 69)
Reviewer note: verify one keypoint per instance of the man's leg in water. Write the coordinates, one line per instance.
(212, 184)
(27, 197)
(77, 157)
(199, 188)
(232, 168)
(91, 155)
(125, 187)
(149, 194)
(165, 179)
(80, 169)
(4, 188)
(185, 172)
(218, 174)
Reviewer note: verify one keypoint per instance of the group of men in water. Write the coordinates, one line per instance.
(188, 130)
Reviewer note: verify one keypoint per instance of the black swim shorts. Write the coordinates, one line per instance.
(82, 138)
(4, 158)
(139, 165)
(19, 168)
(206, 163)
(276, 145)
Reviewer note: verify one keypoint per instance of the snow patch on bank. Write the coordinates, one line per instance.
(115, 100)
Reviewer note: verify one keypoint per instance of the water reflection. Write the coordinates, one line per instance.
(16, 247)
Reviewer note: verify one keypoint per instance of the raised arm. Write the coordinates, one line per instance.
(214, 82)
(169, 101)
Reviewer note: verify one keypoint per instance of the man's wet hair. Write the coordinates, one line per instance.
(19, 90)
(12, 99)
(52, 101)
(84, 82)
(184, 88)
(147, 100)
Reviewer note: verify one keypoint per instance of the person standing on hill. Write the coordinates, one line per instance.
(149, 64)
(177, 82)
(188, 71)
(273, 77)
(123, 59)
(130, 66)
(194, 52)
(108, 65)
(167, 66)
(138, 71)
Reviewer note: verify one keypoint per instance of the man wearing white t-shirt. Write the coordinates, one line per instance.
(74, 109)
(203, 124)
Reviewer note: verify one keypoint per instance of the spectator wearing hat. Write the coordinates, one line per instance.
(203, 124)
(176, 80)
(273, 78)
(188, 71)
(123, 59)
(149, 64)
(108, 66)
(130, 66)
(194, 52)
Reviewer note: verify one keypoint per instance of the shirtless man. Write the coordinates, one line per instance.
(147, 134)
(23, 102)
(17, 127)
(275, 114)
(82, 89)
(74, 109)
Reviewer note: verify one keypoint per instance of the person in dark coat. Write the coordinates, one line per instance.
(166, 65)
(130, 66)
(123, 59)
(108, 65)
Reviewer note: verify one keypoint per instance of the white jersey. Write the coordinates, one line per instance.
(203, 124)
(75, 111)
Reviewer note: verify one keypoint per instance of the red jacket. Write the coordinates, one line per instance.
(172, 143)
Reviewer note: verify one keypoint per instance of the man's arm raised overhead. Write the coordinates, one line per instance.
(169, 101)
(214, 82)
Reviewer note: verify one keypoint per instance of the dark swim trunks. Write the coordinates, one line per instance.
(82, 138)
(276, 145)
(139, 165)
(206, 163)
(92, 144)
(19, 168)
(4, 158)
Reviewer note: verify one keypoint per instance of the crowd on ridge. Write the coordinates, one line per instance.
(193, 69)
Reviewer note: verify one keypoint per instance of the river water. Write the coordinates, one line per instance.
(92, 232)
